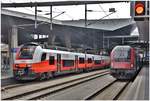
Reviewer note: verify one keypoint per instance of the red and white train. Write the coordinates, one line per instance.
(34, 62)
(125, 62)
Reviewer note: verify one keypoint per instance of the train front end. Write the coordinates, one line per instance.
(23, 64)
(123, 62)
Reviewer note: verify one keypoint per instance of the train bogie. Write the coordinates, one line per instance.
(123, 74)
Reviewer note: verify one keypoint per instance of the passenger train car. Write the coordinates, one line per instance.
(125, 62)
(34, 62)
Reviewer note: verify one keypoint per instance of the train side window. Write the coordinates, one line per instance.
(43, 57)
(51, 60)
(81, 60)
(89, 60)
(97, 62)
(68, 63)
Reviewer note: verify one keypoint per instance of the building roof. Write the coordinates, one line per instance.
(103, 24)
(27, 16)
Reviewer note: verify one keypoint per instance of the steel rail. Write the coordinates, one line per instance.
(98, 92)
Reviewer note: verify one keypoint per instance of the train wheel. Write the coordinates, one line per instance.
(86, 70)
(42, 76)
(49, 75)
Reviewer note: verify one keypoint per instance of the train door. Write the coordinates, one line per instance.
(58, 62)
(76, 62)
(93, 60)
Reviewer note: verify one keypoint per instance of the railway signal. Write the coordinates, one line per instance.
(139, 8)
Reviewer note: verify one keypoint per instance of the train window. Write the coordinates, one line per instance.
(81, 60)
(122, 55)
(51, 60)
(97, 62)
(89, 60)
(26, 52)
(43, 57)
(68, 63)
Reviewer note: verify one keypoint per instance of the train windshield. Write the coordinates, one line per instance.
(122, 55)
(27, 52)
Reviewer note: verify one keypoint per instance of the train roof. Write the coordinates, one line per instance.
(59, 51)
(122, 46)
(67, 52)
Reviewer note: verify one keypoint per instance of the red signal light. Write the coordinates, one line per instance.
(140, 8)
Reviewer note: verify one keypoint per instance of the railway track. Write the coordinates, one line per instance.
(36, 92)
(25, 83)
(110, 92)
(11, 86)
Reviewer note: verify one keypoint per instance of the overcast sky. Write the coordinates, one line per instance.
(76, 12)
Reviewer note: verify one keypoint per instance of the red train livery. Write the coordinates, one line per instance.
(125, 62)
(34, 62)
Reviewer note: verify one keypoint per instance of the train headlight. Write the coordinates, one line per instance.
(16, 65)
(29, 65)
(131, 65)
(112, 64)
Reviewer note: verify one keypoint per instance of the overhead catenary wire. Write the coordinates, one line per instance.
(103, 10)
(65, 14)
(100, 19)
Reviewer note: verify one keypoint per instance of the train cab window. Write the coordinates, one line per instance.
(26, 52)
(81, 60)
(122, 55)
(89, 60)
(51, 60)
(43, 57)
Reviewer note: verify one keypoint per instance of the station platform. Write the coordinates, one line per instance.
(6, 72)
(139, 88)
(6, 76)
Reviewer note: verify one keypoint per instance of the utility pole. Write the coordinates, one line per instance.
(51, 23)
(103, 40)
(51, 36)
(35, 24)
(85, 15)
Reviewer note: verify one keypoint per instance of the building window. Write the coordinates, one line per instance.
(68, 63)
(51, 60)
(81, 60)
